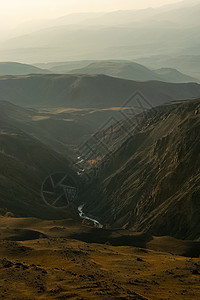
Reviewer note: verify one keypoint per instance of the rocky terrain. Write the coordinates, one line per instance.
(144, 191)
(149, 178)
(67, 260)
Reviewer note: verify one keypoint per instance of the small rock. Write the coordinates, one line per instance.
(139, 259)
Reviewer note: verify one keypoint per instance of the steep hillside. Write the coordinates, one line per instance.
(48, 127)
(13, 68)
(150, 181)
(83, 91)
(61, 129)
(25, 162)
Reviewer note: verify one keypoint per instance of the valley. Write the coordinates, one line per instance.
(129, 154)
(136, 183)
(100, 150)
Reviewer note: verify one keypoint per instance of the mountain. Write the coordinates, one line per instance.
(188, 64)
(126, 35)
(132, 71)
(173, 75)
(63, 67)
(149, 179)
(25, 162)
(120, 69)
(13, 68)
(101, 43)
(44, 126)
(88, 91)
(113, 18)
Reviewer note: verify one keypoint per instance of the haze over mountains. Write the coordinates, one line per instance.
(173, 30)
(121, 69)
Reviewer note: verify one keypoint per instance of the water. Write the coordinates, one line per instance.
(83, 216)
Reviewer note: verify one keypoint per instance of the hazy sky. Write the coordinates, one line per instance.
(13, 12)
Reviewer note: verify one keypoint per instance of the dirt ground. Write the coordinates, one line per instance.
(50, 260)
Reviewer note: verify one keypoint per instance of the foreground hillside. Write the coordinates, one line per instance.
(150, 181)
(59, 260)
(83, 91)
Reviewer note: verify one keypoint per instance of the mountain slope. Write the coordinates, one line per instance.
(150, 182)
(24, 164)
(60, 129)
(85, 91)
(13, 68)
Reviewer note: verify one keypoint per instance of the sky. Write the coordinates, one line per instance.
(14, 12)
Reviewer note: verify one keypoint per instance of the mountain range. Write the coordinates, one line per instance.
(88, 91)
(169, 30)
(131, 71)
(121, 69)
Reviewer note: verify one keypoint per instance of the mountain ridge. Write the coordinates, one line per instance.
(84, 91)
(132, 71)
(15, 68)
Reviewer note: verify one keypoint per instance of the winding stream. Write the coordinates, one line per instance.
(83, 216)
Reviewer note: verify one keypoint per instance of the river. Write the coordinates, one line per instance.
(83, 216)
